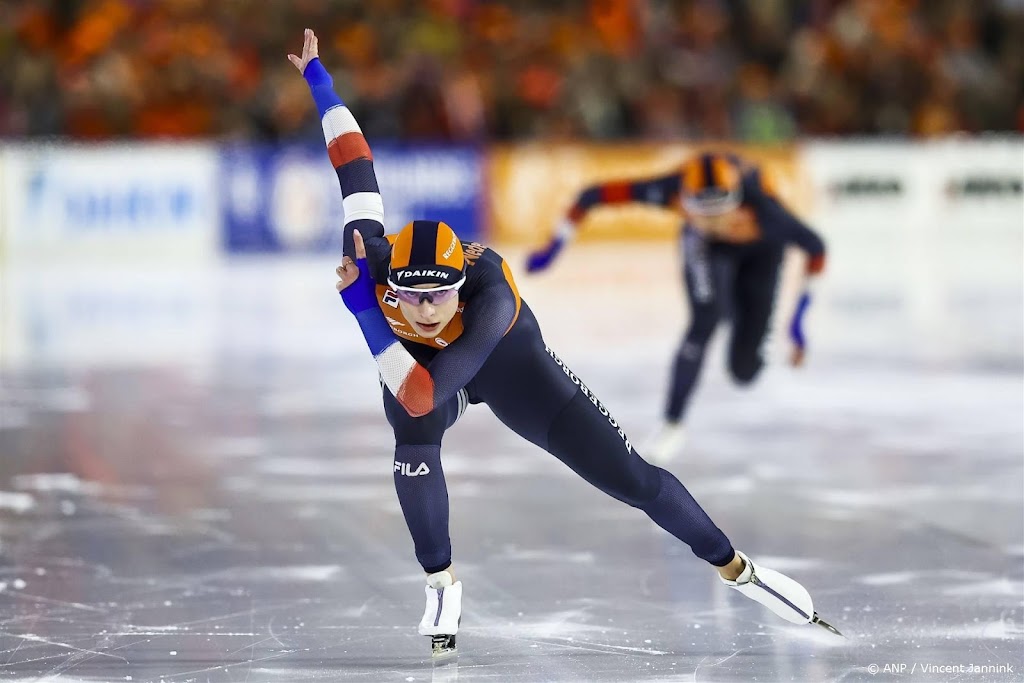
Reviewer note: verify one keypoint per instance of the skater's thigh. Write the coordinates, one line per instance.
(550, 406)
(426, 430)
(708, 277)
(587, 438)
(524, 385)
(754, 299)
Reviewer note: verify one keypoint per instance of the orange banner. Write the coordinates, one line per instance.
(532, 186)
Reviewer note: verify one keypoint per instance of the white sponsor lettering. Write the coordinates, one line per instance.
(406, 469)
(405, 333)
(422, 273)
(593, 399)
(451, 248)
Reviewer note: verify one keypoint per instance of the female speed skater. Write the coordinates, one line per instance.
(734, 235)
(446, 325)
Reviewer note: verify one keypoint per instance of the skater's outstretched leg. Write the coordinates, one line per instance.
(580, 431)
(419, 478)
(584, 435)
(423, 495)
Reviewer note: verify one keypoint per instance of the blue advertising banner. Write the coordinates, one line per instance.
(103, 204)
(281, 199)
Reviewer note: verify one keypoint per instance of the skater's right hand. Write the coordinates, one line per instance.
(310, 51)
(356, 285)
(796, 331)
(542, 258)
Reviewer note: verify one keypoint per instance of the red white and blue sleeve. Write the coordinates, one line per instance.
(660, 191)
(353, 162)
(364, 211)
(417, 388)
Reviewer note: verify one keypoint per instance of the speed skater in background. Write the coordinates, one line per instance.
(735, 231)
(446, 325)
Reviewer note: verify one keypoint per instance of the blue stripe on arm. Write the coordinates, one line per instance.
(796, 325)
(360, 298)
(376, 331)
(322, 86)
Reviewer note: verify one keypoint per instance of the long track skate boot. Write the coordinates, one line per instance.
(779, 593)
(442, 614)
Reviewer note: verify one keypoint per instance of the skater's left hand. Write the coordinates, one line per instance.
(796, 331)
(310, 51)
(796, 356)
(356, 286)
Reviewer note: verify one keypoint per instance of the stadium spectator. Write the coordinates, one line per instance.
(473, 70)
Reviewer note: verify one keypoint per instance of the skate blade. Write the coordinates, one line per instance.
(442, 647)
(825, 625)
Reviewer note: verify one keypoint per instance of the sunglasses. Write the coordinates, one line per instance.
(418, 296)
(435, 295)
(711, 203)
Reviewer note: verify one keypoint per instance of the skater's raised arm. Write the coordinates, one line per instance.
(350, 155)
(661, 191)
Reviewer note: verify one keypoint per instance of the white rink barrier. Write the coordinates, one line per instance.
(926, 252)
(926, 246)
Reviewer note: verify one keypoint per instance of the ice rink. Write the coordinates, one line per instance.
(195, 483)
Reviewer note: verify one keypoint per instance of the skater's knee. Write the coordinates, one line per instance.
(744, 370)
(641, 488)
(428, 429)
(693, 345)
(700, 331)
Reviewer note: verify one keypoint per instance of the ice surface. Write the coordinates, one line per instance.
(195, 485)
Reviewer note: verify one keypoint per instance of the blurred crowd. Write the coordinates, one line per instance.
(759, 71)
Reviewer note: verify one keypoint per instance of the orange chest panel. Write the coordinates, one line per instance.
(388, 303)
(742, 228)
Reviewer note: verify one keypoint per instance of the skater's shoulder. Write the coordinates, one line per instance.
(487, 270)
(759, 182)
(483, 263)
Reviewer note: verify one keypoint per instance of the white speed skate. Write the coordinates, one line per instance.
(779, 593)
(666, 444)
(442, 614)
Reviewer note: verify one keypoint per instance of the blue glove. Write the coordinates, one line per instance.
(541, 259)
(796, 330)
(360, 298)
(361, 295)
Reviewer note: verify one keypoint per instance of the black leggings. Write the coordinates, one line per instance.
(723, 283)
(532, 392)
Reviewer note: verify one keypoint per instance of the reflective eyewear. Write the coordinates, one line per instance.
(711, 203)
(434, 296)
